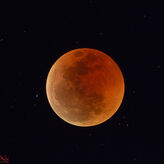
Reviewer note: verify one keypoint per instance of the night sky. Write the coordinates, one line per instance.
(34, 34)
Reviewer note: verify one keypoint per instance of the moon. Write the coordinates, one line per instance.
(85, 87)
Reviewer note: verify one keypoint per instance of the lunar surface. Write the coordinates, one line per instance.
(85, 87)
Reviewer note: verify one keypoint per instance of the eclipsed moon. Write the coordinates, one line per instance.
(85, 87)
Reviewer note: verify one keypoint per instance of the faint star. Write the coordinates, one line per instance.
(36, 95)
(1, 39)
(102, 144)
(14, 100)
(11, 106)
(158, 66)
(35, 104)
(133, 91)
(101, 34)
(24, 30)
(92, 2)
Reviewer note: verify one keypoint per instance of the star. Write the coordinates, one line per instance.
(100, 33)
(1, 39)
(133, 91)
(119, 123)
(35, 104)
(102, 144)
(11, 106)
(158, 66)
(76, 42)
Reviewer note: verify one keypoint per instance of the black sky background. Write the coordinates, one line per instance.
(34, 34)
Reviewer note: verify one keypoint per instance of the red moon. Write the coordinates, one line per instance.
(85, 87)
